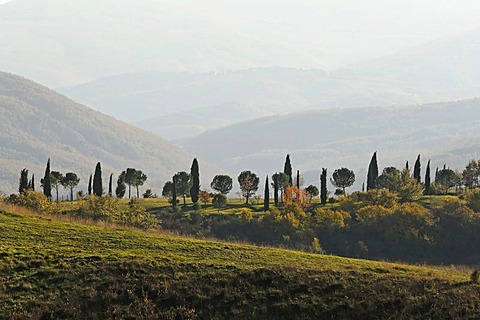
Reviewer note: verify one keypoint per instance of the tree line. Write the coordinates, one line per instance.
(408, 186)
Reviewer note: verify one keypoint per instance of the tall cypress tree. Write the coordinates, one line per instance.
(97, 181)
(298, 179)
(427, 179)
(287, 169)
(121, 188)
(195, 189)
(323, 186)
(174, 191)
(436, 175)
(23, 185)
(110, 185)
(266, 198)
(47, 185)
(32, 183)
(275, 188)
(372, 173)
(416, 170)
(90, 185)
(407, 166)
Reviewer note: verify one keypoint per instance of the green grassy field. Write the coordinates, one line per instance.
(154, 205)
(51, 269)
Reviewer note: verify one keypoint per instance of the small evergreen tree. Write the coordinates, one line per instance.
(248, 184)
(195, 189)
(416, 170)
(266, 198)
(139, 180)
(446, 179)
(31, 184)
(130, 176)
(280, 181)
(121, 188)
(427, 190)
(90, 185)
(372, 173)
(323, 186)
(183, 183)
(110, 185)
(70, 181)
(56, 179)
(287, 169)
(312, 191)
(174, 191)
(97, 181)
(219, 201)
(23, 185)
(47, 187)
(275, 190)
(343, 178)
(167, 190)
(222, 184)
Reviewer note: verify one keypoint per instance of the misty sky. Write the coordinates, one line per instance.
(385, 25)
(371, 27)
(109, 37)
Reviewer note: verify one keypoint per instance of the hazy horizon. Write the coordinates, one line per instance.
(113, 37)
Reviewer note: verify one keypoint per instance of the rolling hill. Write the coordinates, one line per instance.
(38, 123)
(444, 70)
(177, 105)
(51, 269)
(447, 133)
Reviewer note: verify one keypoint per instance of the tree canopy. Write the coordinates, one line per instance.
(70, 181)
(343, 178)
(222, 184)
(248, 183)
(183, 183)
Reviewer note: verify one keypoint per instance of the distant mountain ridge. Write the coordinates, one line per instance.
(446, 133)
(178, 105)
(444, 70)
(38, 123)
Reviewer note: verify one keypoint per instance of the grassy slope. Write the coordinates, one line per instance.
(55, 269)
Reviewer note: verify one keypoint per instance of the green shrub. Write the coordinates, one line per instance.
(32, 200)
(99, 208)
(138, 217)
(219, 201)
(473, 200)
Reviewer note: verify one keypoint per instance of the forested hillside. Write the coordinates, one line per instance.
(176, 105)
(37, 123)
(443, 70)
(446, 133)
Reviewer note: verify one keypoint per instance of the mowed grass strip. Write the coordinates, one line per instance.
(57, 269)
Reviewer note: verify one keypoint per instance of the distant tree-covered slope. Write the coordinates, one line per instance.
(37, 123)
(192, 103)
(445, 132)
(445, 70)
